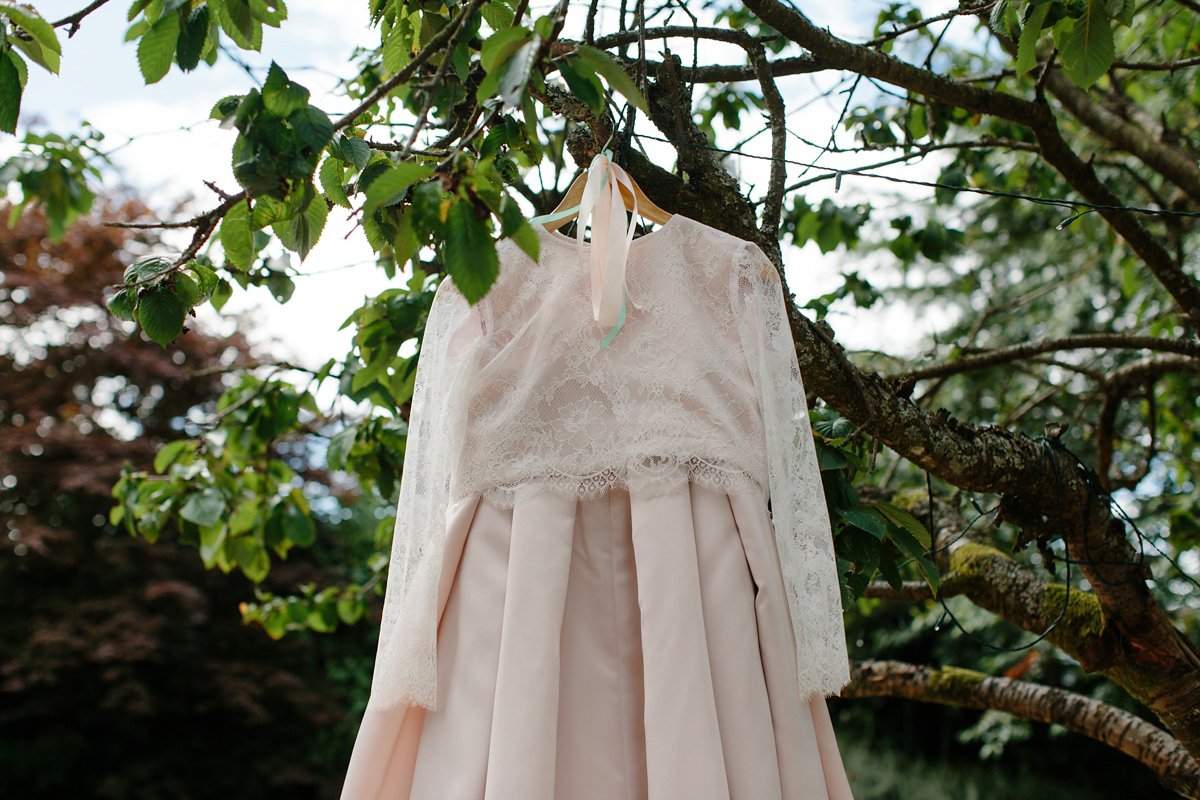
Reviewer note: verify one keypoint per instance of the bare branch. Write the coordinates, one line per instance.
(776, 112)
(1017, 352)
(1119, 729)
(924, 23)
(1169, 66)
(73, 20)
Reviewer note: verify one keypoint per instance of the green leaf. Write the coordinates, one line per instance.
(221, 294)
(498, 15)
(187, 290)
(161, 313)
(168, 455)
(513, 77)
(204, 508)
(27, 19)
(469, 252)
(237, 239)
(889, 570)
(313, 126)
(1001, 18)
(903, 519)
(866, 519)
(237, 21)
(350, 609)
(583, 84)
(1027, 46)
(396, 52)
(1088, 50)
(193, 35)
(249, 554)
(136, 8)
(352, 149)
(122, 304)
(207, 278)
(282, 96)
(339, 447)
(157, 48)
(500, 45)
(298, 526)
(331, 174)
(10, 93)
(387, 187)
(48, 59)
(612, 72)
(300, 233)
(271, 12)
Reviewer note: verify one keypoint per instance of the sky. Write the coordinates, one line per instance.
(163, 145)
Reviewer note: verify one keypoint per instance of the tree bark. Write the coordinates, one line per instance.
(1118, 729)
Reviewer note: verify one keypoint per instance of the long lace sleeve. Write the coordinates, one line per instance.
(405, 662)
(798, 509)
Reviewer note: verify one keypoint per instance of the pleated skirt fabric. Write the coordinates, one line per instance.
(619, 648)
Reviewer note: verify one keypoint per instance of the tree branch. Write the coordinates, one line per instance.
(73, 20)
(841, 54)
(1119, 729)
(432, 46)
(776, 114)
(1017, 352)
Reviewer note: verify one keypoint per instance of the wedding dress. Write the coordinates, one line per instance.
(589, 596)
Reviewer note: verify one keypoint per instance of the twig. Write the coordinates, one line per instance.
(958, 12)
(74, 19)
(1017, 352)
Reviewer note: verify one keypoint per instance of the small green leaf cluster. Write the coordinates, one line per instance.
(727, 102)
(829, 225)
(319, 610)
(854, 286)
(1082, 31)
(280, 139)
(868, 537)
(374, 370)
(224, 491)
(32, 36)
(159, 296)
(53, 172)
(186, 32)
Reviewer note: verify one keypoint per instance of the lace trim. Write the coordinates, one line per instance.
(652, 477)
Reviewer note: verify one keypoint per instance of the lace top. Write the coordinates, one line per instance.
(516, 396)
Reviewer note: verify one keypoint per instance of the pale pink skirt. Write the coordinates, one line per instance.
(622, 648)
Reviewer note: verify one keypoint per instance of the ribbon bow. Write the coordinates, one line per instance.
(602, 205)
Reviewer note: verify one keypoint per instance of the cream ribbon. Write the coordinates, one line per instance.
(602, 205)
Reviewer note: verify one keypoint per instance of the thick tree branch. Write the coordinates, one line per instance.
(1173, 163)
(1118, 729)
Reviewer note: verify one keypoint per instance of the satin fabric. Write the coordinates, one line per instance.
(620, 648)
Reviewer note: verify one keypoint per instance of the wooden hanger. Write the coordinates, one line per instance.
(646, 206)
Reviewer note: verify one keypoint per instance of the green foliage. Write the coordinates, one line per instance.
(829, 225)
(54, 173)
(159, 295)
(32, 36)
(186, 33)
(873, 537)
